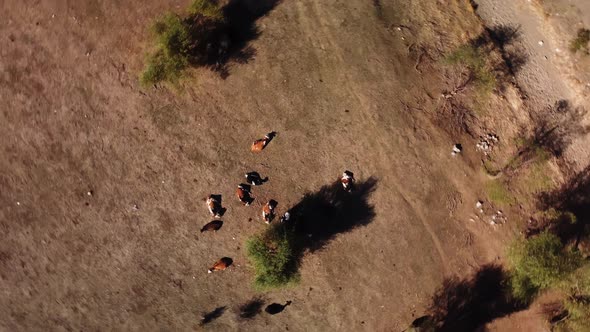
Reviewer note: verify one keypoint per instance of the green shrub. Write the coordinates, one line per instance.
(577, 303)
(161, 67)
(274, 256)
(580, 43)
(171, 56)
(206, 8)
(182, 41)
(474, 59)
(538, 263)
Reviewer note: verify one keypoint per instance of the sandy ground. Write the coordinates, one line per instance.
(550, 73)
(330, 77)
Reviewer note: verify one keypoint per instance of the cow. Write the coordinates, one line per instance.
(285, 217)
(347, 180)
(260, 144)
(214, 205)
(268, 211)
(255, 179)
(221, 265)
(244, 194)
(212, 226)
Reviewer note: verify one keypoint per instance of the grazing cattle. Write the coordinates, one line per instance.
(221, 265)
(213, 226)
(268, 211)
(244, 194)
(214, 205)
(260, 144)
(347, 180)
(255, 179)
(285, 217)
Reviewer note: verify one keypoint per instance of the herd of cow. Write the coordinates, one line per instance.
(244, 194)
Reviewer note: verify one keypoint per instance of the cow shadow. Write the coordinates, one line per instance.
(250, 309)
(468, 304)
(211, 316)
(330, 211)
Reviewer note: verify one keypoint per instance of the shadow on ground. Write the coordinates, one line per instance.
(213, 315)
(330, 211)
(468, 304)
(241, 29)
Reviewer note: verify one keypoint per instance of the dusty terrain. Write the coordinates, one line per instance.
(341, 85)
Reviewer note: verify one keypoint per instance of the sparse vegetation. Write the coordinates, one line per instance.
(274, 256)
(580, 43)
(206, 8)
(475, 60)
(538, 263)
(577, 303)
(182, 41)
(499, 193)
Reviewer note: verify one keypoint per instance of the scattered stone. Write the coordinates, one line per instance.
(135, 207)
(486, 143)
(541, 43)
(17, 203)
(456, 149)
(52, 15)
(479, 204)
(90, 193)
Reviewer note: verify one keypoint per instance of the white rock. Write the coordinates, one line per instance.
(541, 43)
(479, 204)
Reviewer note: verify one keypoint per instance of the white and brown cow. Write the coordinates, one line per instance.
(268, 211)
(347, 180)
(214, 205)
(221, 265)
(244, 194)
(260, 144)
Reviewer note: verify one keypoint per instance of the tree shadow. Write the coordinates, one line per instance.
(322, 215)
(251, 308)
(241, 17)
(572, 198)
(468, 304)
(504, 38)
(216, 43)
(213, 315)
(554, 130)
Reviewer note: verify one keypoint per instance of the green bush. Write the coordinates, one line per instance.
(580, 43)
(577, 303)
(538, 263)
(206, 8)
(171, 56)
(274, 256)
(475, 60)
(182, 41)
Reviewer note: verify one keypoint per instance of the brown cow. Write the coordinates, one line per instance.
(221, 265)
(347, 180)
(260, 144)
(213, 226)
(268, 211)
(214, 205)
(244, 194)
